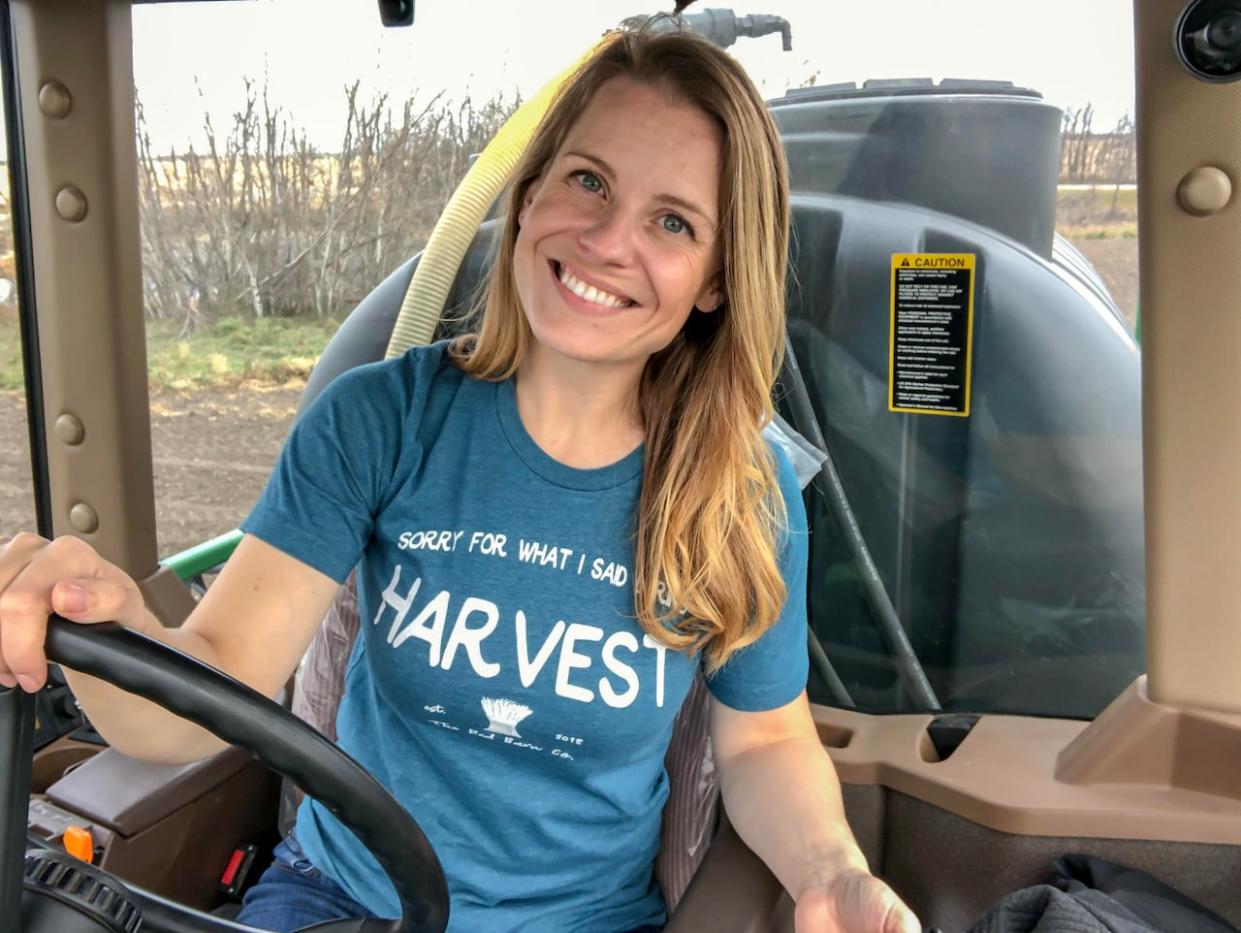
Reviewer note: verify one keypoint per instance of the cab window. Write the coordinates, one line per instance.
(17, 491)
(963, 309)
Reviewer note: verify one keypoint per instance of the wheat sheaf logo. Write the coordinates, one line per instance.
(504, 715)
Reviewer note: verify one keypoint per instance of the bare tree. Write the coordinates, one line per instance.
(263, 223)
(1087, 157)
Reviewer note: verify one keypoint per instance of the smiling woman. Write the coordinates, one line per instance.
(607, 523)
(624, 364)
(607, 414)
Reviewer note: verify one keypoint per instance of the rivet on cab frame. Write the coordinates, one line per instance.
(55, 100)
(83, 518)
(1205, 190)
(70, 430)
(71, 204)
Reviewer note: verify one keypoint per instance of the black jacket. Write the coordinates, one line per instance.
(1090, 895)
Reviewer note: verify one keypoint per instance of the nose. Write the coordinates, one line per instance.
(609, 236)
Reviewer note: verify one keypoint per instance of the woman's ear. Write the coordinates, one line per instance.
(712, 294)
(528, 198)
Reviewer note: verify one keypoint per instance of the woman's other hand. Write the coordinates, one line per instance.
(66, 576)
(854, 901)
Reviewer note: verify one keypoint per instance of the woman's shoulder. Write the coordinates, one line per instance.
(411, 377)
(386, 400)
(424, 364)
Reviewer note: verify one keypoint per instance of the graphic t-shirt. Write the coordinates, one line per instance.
(500, 686)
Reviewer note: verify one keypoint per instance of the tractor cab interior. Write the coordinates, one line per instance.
(1025, 523)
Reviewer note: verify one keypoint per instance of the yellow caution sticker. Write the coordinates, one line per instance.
(932, 333)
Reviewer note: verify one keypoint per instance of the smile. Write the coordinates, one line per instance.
(588, 293)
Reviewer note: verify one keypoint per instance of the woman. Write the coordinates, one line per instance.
(556, 523)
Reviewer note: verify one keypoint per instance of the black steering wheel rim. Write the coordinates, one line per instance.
(242, 716)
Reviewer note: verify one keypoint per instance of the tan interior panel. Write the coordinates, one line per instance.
(167, 597)
(1006, 774)
(1190, 281)
(82, 176)
(1136, 741)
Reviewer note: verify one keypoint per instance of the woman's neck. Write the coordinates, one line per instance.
(581, 414)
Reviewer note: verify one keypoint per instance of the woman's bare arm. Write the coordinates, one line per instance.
(254, 624)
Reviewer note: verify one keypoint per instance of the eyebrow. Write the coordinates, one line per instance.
(671, 199)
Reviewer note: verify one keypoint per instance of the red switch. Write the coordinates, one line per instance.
(233, 878)
(234, 863)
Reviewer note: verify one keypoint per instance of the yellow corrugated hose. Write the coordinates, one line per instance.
(455, 229)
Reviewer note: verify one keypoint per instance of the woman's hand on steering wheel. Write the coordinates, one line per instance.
(66, 576)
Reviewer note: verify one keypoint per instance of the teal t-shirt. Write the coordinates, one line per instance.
(500, 687)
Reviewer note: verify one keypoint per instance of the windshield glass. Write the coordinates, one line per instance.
(17, 497)
(963, 297)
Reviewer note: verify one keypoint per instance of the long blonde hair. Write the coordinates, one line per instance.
(710, 513)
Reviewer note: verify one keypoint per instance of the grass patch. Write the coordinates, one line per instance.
(10, 351)
(230, 352)
(1102, 197)
(1097, 213)
(1121, 231)
(234, 350)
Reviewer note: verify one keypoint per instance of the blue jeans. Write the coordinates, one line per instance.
(293, 894)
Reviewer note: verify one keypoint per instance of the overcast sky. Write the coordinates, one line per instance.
(191, 57)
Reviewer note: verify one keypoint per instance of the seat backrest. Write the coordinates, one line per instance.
(692, 807)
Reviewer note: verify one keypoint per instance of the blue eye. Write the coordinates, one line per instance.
(674, 224)
(589, 180)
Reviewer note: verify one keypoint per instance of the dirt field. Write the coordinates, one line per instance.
(1116, 260)
(214, 449)
(212, 452)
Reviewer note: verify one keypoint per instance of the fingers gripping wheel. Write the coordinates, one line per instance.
(244, 717)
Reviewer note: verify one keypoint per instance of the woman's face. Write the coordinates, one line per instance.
(619, 235)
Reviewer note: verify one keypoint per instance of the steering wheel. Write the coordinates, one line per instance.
(243, 717)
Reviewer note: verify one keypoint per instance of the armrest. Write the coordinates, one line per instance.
(732, 892)
(127, 796)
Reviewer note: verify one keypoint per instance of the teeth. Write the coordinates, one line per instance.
(589, 292)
